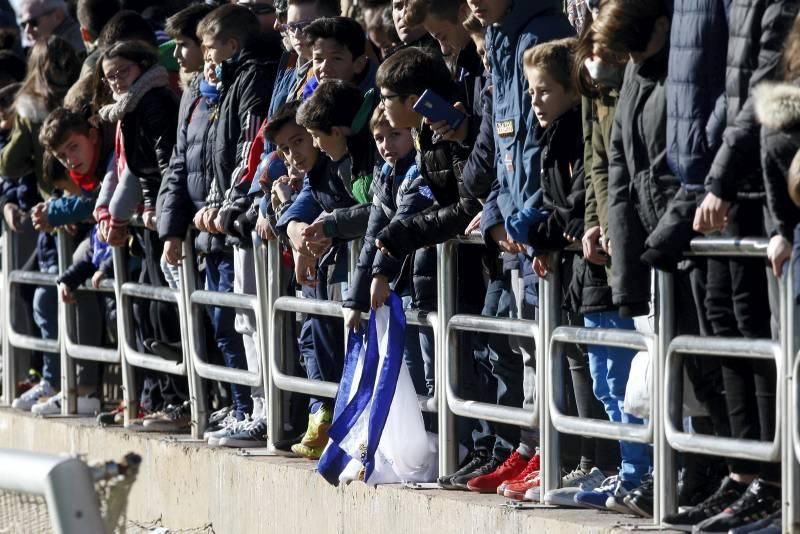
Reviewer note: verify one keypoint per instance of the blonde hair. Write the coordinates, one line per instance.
(556, 58)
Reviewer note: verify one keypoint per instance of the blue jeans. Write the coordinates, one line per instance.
(45, 315)
(610, 367)
(219, 277)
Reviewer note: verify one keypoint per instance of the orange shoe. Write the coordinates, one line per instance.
(533, 466)
(527, 487)
(508, 470)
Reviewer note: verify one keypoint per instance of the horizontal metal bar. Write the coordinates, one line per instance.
(494, 325)
(32, 278)
(24, 341)
(422, 318)
(596, 428)
(141, 291)
(77, 351)
(106, 286)
(309, 306)
(475, 238)
(153, 363)
(718, 246)
(508, 415)
(726, 347)
(225, 300)
(605, 337)
(746, 449)
(297, 384)
(227, 374)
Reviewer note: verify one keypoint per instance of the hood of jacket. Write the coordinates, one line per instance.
(777, 105)
(31, 108)
(522, 11)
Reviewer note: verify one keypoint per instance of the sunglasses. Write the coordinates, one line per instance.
(261, 9)
(34, 21)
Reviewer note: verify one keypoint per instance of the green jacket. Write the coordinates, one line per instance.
(23, 154)
(598, 118)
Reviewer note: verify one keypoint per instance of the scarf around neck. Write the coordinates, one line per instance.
(155, 77)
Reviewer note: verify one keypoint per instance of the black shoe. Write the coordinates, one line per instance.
(697, 482)
(759, 502)
(759, 526)
(726, 494)
(286, 444)
(640, 500)
(472, 461)
(482, 464)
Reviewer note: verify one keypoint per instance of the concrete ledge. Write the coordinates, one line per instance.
(189, 485)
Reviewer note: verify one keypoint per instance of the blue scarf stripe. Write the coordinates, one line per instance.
(333, 461)
(387, 382)
(354, 344)
(342, 425)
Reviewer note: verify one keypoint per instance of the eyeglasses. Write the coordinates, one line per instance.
(295, 27)
(261, 9)
(34, 21)
(384, 97)
(118, 75)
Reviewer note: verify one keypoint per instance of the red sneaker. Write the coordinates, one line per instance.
(532, 467)
(508, 470)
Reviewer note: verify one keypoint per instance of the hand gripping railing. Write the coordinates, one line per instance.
(195, 300)
(276, 309)
(67, 326)
(781, 352)
(13, 340)
(131, 358)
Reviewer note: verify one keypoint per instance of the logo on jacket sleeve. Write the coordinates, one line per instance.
(505, 128)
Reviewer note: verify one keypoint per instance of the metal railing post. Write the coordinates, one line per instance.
(274, 336)
(789, 464)
(262, 315)
(66, 320)
(124, 327)
(9, 360)
(197, 393)
(550, 316)
(446, 295)
(664, 497)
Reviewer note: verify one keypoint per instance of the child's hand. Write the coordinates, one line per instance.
(149, 220)
(305, 270)
(39, 218)
(712, 215)
(67, 297)
(592, 249)
(198, 219)
(117, 235)
(208, 219)
(504, 242)
(172, 250)
(352, 318)
(380, 246)
(263, 228)
(541, 265)
(474, 224)
(97, 277)
(379, 291)
(102, 231)
(282, 190)
(216, 225)
(446, 132)
(12, 216)
(779, 251)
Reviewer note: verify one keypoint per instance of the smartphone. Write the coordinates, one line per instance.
(436, 109)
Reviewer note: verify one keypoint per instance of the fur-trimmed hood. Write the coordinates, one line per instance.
(777, 105)
(31, 108)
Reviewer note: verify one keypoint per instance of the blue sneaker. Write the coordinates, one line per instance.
(597, 498)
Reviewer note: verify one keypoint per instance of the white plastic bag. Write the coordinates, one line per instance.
(376, 381)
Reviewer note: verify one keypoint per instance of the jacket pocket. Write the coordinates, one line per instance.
(652, 194)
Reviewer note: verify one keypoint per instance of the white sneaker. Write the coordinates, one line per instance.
(213, 429)
(52, 406)
(251, 435)
(27, 400)
(573, 482)
(230, 430)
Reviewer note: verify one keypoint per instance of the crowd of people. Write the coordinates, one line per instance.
(588, 138)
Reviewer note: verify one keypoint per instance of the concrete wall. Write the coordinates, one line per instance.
(191, 485)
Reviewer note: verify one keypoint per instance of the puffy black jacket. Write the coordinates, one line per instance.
(188, 181)
(696, 87)
(149, 133)
(640, 184)
(757, 29)
(441, 164)
(246, 90)
(778, 110)
(397, 193)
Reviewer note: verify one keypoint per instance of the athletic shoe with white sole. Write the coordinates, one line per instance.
(27, 400)
(52, 406)
(253, 435)
(573, 482)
